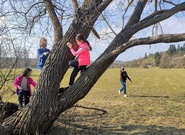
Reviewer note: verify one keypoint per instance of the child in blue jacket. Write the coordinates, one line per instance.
(42, 53)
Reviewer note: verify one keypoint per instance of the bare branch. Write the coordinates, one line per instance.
(156, 28)
(32, 7)
(108, 24)
(125, 11)
(9, 72)
(170, 2)
(35, 19)
(58, 32)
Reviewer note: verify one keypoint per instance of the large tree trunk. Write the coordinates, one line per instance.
(46, 105)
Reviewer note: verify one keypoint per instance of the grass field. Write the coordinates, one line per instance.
(155, 105)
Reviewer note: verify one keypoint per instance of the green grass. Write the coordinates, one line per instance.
(155, 105)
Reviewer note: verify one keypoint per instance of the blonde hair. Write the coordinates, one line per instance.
(43, 41)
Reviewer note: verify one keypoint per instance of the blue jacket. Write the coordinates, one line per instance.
(41, 57)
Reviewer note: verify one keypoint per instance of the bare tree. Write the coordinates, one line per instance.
(46, 104)
(14, 44)
(9, 59)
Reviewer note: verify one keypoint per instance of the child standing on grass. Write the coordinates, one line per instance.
(123, 78)
(42, 53)
(23, 88)
(82, 56)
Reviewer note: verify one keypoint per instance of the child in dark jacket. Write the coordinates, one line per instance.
(123, 77)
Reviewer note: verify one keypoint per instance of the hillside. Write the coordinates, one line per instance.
(174, 57)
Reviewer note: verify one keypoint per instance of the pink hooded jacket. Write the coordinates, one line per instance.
(18, 80)
(83, 54)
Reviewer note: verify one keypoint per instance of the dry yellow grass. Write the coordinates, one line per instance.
(155, 105)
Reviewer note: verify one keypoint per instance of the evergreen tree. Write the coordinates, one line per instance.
(178, 48)
(157, 57)
(171, 50)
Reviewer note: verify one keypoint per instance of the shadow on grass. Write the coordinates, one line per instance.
(77, 129)
(89, 122)
(152, 96)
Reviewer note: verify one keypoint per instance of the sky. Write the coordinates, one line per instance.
(171, 25)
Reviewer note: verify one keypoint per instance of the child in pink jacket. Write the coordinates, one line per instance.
(82, 55)
(23, 86)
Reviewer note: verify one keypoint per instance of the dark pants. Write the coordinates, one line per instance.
(75, 71)
(22, 94)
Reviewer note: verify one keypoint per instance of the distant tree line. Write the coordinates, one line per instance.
(20, 57)
(174, 57)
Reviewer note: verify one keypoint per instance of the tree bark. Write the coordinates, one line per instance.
(46, 105)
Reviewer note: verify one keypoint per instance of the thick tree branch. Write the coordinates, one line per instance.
(58, 31)
(136, 15)
(154, 14)
(103, 5)
(164, 38)
(159, 16)
(75, 5)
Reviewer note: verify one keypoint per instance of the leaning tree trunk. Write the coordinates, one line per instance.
(46, 105)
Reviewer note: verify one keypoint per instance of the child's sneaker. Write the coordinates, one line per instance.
(19, 107)
(119, 92)
(125, 95)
